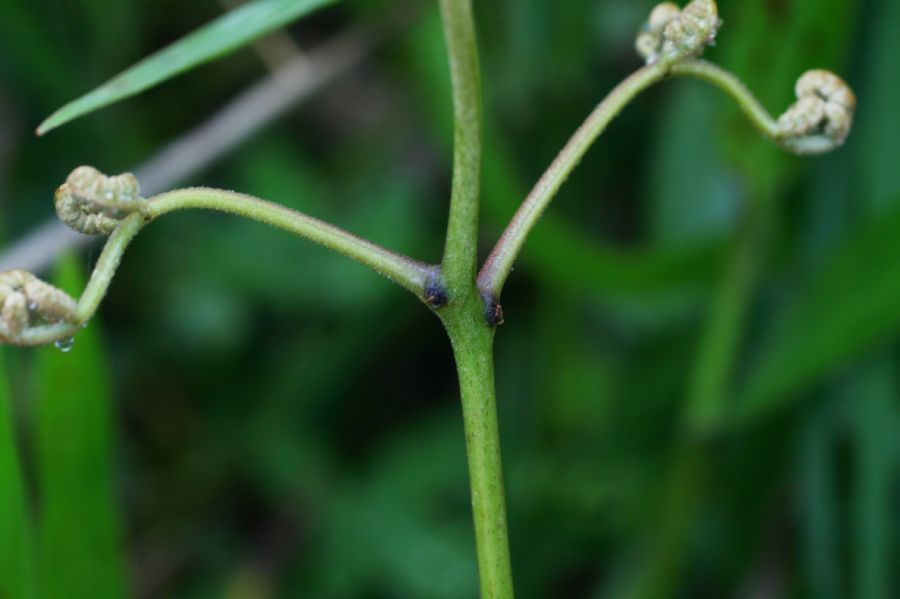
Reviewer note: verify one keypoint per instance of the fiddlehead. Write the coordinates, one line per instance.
(670, 42)
(820, 119)
(672, 34)
(28, 304)
(33, 312)
(94, 204)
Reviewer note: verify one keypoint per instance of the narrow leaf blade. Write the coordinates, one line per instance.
(16, 547)
(232, 30)
(80, 533)
(874, 399)
(852, 304)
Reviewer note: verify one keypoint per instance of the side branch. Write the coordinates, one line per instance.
(731, 85)
(33, 312)
(406, 272)
(499, 263)
(461, 247)
(798, 130)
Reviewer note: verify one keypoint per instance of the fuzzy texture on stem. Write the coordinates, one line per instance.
(472, 341)
(107, 264)
(734, 87)
(459, 263)
(406, 272)
(465, 318)
(70, 322)
(499, 263)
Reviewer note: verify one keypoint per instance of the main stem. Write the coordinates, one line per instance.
(472, 341)
(461, 248)
(464, 316)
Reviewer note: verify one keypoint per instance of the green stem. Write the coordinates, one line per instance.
(499, 264)
(470, 333)
(404, 271)
(461, 248)
(96, 288)
(107, 265)
(472, 342)
(411, 274)
(731, 85)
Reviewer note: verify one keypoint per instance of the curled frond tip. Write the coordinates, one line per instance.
(94, 204)
(672, 34)
(28, 303)
(820, 119)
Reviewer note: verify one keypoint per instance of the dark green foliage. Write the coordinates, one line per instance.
(273, 420)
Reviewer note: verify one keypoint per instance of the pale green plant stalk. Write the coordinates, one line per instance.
(468, 305)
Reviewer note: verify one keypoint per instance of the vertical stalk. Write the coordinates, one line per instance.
(471, 336)
(461, 248)
(472, 342)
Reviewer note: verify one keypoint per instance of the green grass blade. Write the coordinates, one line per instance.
(818, 504)
(852, 304)
(16, 557)
(230, 31)
(79, 536)
(874, 396)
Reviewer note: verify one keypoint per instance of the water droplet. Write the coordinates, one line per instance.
(64, 345)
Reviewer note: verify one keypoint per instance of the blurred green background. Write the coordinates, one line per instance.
(698, 378)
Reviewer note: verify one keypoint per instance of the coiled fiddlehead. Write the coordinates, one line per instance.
(820, 119)
(672, 34)
(94, 204)
(27, 303)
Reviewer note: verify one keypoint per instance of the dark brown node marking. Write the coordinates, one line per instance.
(436, 295)
(494, 312)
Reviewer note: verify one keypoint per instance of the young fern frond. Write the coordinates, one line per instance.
(29, 307)
(94, 204)
(670, 41)
(672, 34)
(33, 312)
(820, 119)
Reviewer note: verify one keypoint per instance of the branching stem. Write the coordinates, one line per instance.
(499, 264)
(406, 272)
(470, 331)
